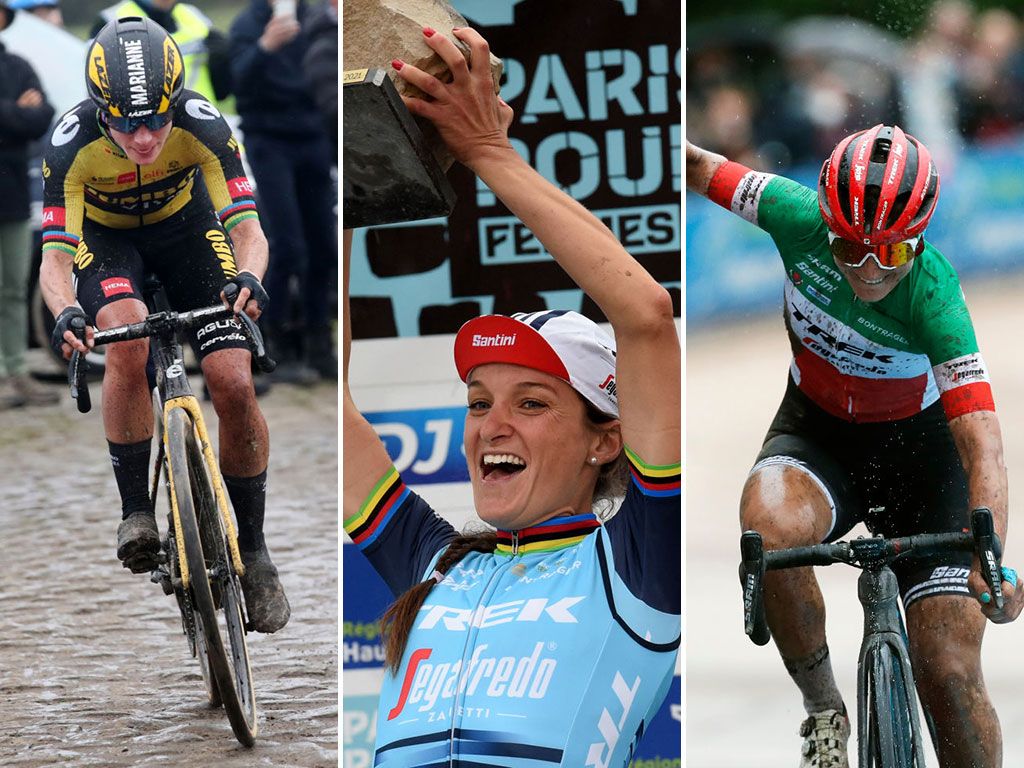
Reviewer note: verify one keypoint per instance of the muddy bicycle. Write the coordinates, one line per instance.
(888, 728)
(202, 561)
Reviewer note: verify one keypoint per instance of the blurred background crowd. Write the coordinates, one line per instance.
(270, 66)
(776, 84)
(773, 93)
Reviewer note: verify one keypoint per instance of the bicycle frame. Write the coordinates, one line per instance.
(175, 392)
(879, 594)
(878, 591)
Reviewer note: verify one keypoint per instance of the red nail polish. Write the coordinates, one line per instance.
(397, 63)
(428, 32)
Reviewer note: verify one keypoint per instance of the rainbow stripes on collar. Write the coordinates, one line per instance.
(549, 536)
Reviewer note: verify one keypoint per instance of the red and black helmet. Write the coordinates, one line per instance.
(879, 186)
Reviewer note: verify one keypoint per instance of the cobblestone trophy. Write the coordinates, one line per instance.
(393, 164)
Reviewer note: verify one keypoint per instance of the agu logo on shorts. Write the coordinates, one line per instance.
(113, 286)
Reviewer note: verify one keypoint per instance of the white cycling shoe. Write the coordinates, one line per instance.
(825, 737)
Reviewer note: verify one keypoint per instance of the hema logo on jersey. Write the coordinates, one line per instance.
(511, 677)
(538, 609)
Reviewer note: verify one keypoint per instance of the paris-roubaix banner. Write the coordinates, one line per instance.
(596, 88)
(595, 85)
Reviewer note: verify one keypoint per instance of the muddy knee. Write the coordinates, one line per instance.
(786, 505)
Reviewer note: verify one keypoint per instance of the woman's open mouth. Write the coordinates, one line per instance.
(499, 466)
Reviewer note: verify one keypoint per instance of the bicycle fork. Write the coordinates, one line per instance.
(878, 591)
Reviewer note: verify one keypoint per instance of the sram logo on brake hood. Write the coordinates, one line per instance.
(535, 609)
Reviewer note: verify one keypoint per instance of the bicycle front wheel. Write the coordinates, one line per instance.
(894, 734)
(213, 585)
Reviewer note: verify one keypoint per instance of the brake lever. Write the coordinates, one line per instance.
(259, 349)
(752, 568)
(78, 366)
(989, 550)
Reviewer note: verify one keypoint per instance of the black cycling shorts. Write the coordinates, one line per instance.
(898, 477)
(191, 255)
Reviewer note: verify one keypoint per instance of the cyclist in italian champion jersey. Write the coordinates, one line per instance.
(552, 640)
(132, 177)
(888, 418)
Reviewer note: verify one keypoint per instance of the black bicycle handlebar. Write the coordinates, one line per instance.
(862, 553)
(157, 324)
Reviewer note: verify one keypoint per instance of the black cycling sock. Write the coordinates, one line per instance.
(131, 470)
(813, 676)
(248, 497)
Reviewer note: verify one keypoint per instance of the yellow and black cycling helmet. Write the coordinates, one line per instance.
(134, 73)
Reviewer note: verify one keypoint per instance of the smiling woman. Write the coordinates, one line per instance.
(553, 402)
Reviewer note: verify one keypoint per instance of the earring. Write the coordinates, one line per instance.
(593, 460)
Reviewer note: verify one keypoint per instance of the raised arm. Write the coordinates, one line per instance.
(474, 124)
(365, 459)
(700, 168)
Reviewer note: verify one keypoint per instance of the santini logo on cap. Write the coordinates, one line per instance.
(498, 340)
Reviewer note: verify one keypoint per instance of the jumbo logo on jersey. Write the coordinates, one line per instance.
(511, 677)
(532, 610)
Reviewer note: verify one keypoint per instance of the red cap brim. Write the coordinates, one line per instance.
(500, 339)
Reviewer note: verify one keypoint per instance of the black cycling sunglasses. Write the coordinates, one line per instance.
(132, 124)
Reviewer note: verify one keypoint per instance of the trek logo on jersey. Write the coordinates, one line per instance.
(497, 340)
(114, 286)
(839, 346)
(532, 610)
(967, 369)
(511, 677)
(240, 187)
(53, 217)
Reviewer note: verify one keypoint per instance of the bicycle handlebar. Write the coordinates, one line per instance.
(157, 324)
(862, 553)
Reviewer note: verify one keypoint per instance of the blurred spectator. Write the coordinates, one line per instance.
(25, 115)
(932, 79)
(992, 87)
(47, 10)
(204, 49)
(321, 63)
(291, 158)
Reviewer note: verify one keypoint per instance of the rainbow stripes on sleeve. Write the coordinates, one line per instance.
(55, 235)
(652, 480)
(242, 206)
(378, 510)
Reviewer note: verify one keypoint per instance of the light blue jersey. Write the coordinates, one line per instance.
(555, 650)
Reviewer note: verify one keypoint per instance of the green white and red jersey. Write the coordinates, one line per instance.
(861, 361)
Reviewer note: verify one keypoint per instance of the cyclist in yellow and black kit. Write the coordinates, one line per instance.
(144, 176)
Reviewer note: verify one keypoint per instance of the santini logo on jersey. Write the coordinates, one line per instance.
(535, 609)
(509, 677)
(498, 340)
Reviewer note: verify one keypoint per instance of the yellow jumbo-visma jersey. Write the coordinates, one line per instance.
(86, 174)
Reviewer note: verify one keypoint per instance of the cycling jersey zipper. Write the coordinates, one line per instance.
(484, 596)
(138, 191)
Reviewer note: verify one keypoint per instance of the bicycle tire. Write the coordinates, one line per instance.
(233, 683)
(892, 721)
